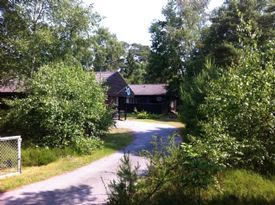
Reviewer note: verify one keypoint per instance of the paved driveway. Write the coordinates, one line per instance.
(84, 185)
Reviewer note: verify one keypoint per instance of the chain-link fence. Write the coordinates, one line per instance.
(10, 156)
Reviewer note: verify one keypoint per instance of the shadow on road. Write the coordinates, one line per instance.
(85, 193)
(147, 140)
(69, 196)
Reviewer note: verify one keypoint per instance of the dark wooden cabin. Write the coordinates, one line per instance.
(10, 89)
(118, 89)
(152, 98)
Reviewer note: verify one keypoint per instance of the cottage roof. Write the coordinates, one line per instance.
(149, 89)
(11, 86)
(115, 83)
(103, 76)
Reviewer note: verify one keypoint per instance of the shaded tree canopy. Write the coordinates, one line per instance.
(35, 33)
(174, 38)
(108, 51)
(136, 62)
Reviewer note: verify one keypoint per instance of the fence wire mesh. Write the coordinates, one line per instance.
(10, 156)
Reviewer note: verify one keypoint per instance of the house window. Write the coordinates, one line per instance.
(130, 100)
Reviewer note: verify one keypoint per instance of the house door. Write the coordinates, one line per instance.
(121, 103)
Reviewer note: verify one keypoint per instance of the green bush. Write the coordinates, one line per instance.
(37, 156)
(168, 182)
(240, 104)
(64, 103)
(123, 191)
(143, 115)
(87, 145)
(237, 187)
(146, 115)
(186, 170)
(242, 187)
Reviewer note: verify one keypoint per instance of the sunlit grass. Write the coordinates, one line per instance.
(240, 187)
(115, 140)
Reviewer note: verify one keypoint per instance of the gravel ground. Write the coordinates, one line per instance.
(85, 185)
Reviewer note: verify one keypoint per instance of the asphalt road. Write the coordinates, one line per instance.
(85, 185)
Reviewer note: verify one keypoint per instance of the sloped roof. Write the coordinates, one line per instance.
(103, 76)
(114, 81)
(149, 89)
(12, 86)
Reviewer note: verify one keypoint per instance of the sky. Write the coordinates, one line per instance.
(130, 20)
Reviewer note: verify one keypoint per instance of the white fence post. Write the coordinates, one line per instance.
(19, 163)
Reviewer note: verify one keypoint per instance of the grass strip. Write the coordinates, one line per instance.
(115, 140)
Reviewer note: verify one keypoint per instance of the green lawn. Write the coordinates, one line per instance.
(237, 187)
(115, 140)
(241, 187)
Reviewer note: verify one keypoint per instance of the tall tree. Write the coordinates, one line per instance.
(221, 40)
(174, 39)
(108, 51)
(37, 32)
(136, 63)
(220, 47)
(12, 28)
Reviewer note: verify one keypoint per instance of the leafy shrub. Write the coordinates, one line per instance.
(64, 103)
(240, 104)
(143, 115)
(241, 187)
(146, 115)
(38, 156)
(168, 183)
(123, 191)
(87, 145)
(193, 91)
(187, 170)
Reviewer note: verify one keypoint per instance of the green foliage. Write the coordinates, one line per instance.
(241, 104)
(135, 68)
(35, 33)
(39, 156)
(247, 185)
(107, 51)
(173, 40)
(228, 104)
(192, 93)
(237, 187)
(170, 180)
(122, 191)
(241, 187)
(87, 145)
(145, 115)
(233, 28)
(64, 104)
(189, 169)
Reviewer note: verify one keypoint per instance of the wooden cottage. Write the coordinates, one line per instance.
(118, 89)
(9, 89)
(152, 98)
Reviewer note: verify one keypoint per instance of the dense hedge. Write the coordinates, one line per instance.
(65, 106)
